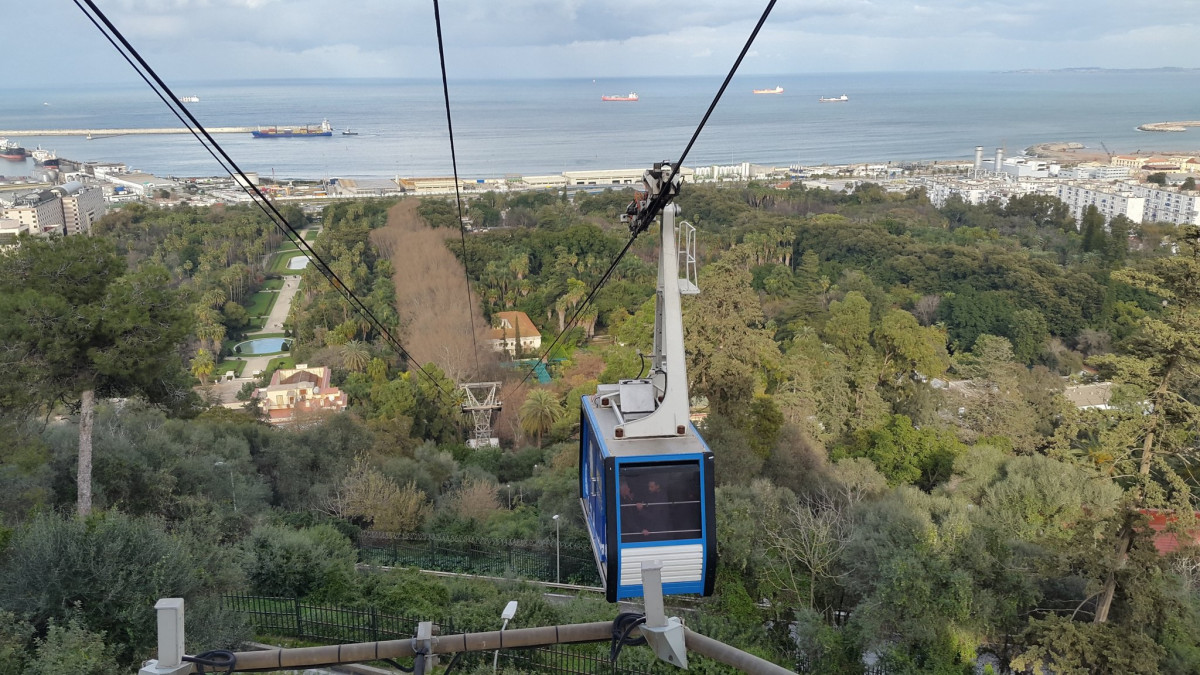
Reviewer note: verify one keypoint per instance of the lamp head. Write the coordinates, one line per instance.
(510, 610)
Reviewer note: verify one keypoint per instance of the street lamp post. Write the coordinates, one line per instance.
(557, 558)
(510, 610)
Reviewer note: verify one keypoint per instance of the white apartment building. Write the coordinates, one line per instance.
(1027, 167)
(1169, 206)
(81, 206)
(1093, 171)
(980, 190)
(1110, 201)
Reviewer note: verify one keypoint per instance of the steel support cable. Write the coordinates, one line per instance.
(462, 229)
(571, 322)
(171, 105)
(659, 201)
(257, 196)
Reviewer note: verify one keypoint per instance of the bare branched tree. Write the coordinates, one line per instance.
(806, 545)
(367, 494)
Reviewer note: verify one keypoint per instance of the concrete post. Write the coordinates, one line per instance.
(665, 635)
(170, 640)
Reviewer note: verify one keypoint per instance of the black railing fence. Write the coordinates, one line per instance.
(522, 559)
(287, 617)
(293, 618)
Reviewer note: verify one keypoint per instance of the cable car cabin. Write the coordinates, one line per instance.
(646, 499)
(645, 475)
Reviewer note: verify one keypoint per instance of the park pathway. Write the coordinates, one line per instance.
(227, 391)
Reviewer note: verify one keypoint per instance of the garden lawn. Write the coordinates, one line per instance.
(279, 264)
(260, 303)
(229, 365)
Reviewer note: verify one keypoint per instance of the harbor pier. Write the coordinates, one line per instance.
(99, 133)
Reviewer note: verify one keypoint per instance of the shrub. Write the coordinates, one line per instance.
(15, 635)
(112, 567)
(316, 561)
(73, 649)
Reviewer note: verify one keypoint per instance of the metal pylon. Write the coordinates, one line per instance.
(480, 400)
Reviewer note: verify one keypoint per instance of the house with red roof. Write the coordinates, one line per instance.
(1168, 540)
(294, 392)
(514, 332)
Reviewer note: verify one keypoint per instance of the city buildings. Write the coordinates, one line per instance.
(66, 209)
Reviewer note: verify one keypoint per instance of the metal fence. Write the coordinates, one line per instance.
(578, 659)
(522, 559)
(287, 617)
(292, 618)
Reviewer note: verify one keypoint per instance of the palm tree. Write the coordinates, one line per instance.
(356, 355)
(202, 365)
(212, 334)
(377, 370)
(539, 412)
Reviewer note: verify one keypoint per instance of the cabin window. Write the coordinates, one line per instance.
(660, 502)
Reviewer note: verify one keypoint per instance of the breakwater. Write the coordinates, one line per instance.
(99, 133)
(1169, 126)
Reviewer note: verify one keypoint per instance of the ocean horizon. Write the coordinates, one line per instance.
(543, 126)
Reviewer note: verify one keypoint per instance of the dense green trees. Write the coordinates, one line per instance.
(73, 323)
(898, 470)
(105, 573)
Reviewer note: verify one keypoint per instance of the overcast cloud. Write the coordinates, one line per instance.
(247, 39)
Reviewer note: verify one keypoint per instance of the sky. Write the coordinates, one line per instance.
(198, 40)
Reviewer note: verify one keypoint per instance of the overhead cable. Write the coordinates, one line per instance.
(267, 206)
(462, 228)
(647, 216)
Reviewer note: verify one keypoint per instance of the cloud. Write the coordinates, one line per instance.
(201, 39)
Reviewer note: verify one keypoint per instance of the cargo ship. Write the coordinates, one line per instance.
(189, 99)
(305, 131)
(10, 150)
(631, 97)
(776, 90)
(834, 99)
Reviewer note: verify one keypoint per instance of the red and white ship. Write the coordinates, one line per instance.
(631, 97)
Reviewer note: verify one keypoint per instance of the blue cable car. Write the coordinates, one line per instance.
(645, 474)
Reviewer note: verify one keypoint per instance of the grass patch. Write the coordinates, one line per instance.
(310, 234)
(272, 284)
(277, 363)
(279, 264)
(261, 303)
(229, 365)
(257, 322)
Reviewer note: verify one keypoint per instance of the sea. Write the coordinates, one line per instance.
(537, 127)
